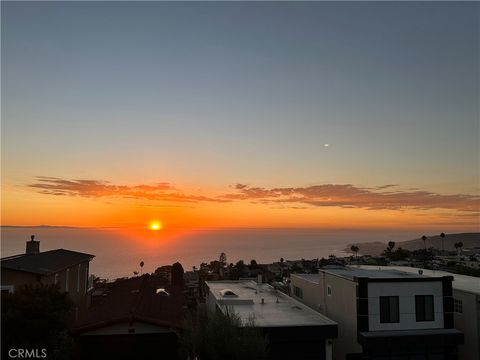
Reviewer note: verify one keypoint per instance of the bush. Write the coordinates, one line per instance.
(219, 337)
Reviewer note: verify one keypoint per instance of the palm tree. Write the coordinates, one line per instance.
(223, 259)
(442, 235)
(460, 245)
(141, 266)
(391, 245)
(355, 249)
(424, 238)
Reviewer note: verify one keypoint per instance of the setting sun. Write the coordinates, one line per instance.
(156, 226)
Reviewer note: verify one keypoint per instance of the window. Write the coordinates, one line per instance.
(458, 306)
(424, 307)
(7, 289)
(389, 311)
(67, 279)
(86, 279)
(78, 277)
(329, 290)
(56, 279)
(298, 292)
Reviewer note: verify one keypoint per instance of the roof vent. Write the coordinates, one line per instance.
(162, 292)
(227, 293)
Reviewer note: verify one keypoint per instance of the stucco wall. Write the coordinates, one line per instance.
(341, 306)
(468, 322)
(406, 292)
(312, 294)
(76, 275)
(17, 278)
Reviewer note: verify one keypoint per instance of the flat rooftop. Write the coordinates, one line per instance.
(460, 282)
(372, 273)
(278, 309)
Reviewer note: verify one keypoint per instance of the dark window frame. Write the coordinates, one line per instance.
(298, 291)
(422, 311)
(389, 309)
(458, 306)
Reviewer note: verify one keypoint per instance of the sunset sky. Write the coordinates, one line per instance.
(311, 114)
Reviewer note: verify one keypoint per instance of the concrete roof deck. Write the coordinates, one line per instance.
(286, 312)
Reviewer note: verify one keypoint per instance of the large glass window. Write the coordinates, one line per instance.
(389, 311)
(424, 308)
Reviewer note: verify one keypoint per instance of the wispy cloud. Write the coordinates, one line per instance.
(326, 195)
(350, 196)
(161, 191)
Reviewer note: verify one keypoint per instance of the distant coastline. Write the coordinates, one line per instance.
(375, 248)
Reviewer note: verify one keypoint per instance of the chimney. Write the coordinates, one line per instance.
(33, 247)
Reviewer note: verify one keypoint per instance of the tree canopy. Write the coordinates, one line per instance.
(36, 317)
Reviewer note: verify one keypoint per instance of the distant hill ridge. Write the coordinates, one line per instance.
(469, 240)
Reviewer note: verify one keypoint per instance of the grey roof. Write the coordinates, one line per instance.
(45, 263)
(355, 272)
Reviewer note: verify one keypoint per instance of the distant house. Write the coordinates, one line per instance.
(65, 268)
(136, 318)
(294, 331)
(383, 314)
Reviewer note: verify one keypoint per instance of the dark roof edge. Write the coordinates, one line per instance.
(403, 279)
(129, 318)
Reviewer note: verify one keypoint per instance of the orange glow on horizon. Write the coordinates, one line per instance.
(141, 219)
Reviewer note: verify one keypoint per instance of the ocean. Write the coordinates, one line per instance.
(118, 252)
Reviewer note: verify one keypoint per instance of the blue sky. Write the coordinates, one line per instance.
(218, 93)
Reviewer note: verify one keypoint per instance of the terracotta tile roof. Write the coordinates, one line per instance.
(45, 263)
(135, 299)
